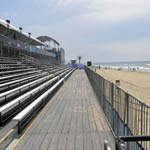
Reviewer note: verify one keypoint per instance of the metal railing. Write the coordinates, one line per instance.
(127, 116)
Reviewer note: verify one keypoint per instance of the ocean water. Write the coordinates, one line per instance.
(131, 65)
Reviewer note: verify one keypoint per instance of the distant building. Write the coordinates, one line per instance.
(74, 64)
(14, 42)
(62, 56)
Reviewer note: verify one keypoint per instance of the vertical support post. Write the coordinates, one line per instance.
(103, 94)
(8, 22)
(127, 110)
(1, 50)
(112, 104)
(112, 95)
(125, 115)
(8, 48)
(141, 118)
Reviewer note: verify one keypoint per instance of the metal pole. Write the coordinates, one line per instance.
(112, 94)
(8, 22)
(1, 50)
(127, 109)
(20, 28)
(141, 120)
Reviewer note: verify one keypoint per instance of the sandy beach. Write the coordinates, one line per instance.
(136, 83)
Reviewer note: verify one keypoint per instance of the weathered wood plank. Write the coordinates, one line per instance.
(46, 141)
(54, 142)
(73, 120)
(88, 144)
(62, 142)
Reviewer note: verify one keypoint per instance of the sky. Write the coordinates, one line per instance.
(97, 30)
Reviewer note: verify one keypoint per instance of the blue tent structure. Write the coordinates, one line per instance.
(81, 66)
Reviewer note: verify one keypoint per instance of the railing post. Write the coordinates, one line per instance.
(127, 98)
(112, 95)
(141, 118)
(125, 114)
(112, 105)
(103, 98)
(127, 110)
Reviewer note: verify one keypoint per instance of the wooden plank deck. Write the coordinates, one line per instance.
(72, 120)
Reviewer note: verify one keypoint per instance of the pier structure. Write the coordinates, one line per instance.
(47, 105)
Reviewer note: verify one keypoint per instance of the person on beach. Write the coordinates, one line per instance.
(99, 67)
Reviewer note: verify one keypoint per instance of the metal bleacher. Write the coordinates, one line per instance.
(22, 118)
(25, 87)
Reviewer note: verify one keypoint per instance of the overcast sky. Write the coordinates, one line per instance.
(98, 30)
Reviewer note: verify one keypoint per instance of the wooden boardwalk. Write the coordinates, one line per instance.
(72, 120)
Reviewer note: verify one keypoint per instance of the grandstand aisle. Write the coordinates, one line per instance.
(72, 120)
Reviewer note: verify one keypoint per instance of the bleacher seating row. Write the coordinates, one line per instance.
(24, 117)
(25, 87)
